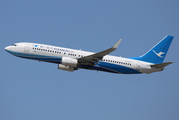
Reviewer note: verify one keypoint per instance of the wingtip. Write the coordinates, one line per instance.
(117, 44)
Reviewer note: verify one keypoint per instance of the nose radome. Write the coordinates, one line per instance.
(7, 48)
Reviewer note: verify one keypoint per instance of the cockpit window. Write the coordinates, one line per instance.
(14, 45)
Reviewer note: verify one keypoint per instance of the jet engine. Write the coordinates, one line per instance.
(66, 68)
(68, 64)
(67, 61)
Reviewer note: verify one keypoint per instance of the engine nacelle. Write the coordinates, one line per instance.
(66, 68)
(67, 61)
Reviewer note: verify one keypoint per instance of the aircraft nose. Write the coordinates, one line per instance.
(8, 48)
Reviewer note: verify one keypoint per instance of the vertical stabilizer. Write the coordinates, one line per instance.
(158, 52)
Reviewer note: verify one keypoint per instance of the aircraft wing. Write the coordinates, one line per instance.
(94, 58)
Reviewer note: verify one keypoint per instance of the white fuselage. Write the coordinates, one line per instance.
(53, 54)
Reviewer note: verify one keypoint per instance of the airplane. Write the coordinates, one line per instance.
(71, 59)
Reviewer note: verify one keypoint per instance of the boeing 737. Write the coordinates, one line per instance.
(71, 60)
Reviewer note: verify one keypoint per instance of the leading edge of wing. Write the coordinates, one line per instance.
(94, 58)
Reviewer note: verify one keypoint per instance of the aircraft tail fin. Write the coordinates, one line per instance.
(158, 52)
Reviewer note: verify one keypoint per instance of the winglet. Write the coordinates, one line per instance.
(94, 58)
(117, 44)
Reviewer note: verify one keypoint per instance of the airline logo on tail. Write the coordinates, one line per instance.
(159, 54)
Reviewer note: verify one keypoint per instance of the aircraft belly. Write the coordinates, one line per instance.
(117, 68)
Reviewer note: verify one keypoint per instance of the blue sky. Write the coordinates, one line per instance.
(31, 90)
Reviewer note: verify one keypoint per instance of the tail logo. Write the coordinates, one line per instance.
(159, 54)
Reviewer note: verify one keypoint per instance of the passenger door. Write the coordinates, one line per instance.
(26, 48)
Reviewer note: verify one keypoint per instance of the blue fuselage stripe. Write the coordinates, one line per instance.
(101, 66)
(117, 68)
(53, 59)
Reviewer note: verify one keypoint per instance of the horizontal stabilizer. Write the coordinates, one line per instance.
(161, 65)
